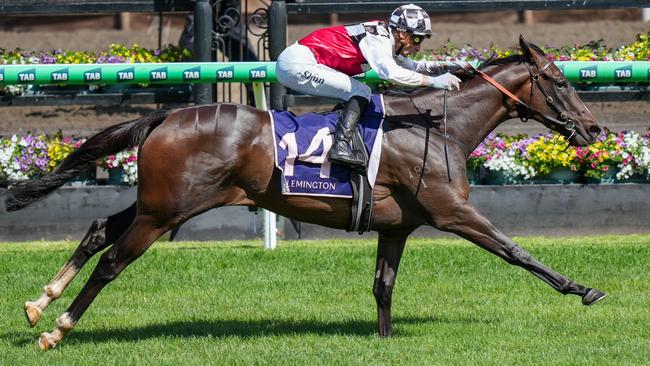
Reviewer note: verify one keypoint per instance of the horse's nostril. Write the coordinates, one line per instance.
(595, 130)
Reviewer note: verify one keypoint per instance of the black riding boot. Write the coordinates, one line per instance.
(343, 152)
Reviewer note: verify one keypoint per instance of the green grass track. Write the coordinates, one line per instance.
(310, 302)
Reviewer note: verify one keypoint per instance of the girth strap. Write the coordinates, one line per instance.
(361, 214)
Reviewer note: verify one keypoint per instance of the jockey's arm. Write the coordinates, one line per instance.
(378, 52)
(434, 68)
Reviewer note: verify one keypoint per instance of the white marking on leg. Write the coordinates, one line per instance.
(64, 324)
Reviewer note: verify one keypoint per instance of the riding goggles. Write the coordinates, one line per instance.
(417, 39)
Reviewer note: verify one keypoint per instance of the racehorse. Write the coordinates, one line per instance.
(198, 158)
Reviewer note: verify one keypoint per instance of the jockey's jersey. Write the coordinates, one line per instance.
(354, 49)
(338, 46)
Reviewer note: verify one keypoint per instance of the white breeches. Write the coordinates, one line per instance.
(296, 68)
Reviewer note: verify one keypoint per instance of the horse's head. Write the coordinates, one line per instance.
(554, 102)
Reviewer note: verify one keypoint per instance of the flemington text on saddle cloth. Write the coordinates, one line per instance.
(302, 143)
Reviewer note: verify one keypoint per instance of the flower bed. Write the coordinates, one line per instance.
(545, 158)
(116, 53)
(548, 158)
(638, 50)
(30, 156)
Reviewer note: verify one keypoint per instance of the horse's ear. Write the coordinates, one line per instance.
(522, 43)
(529, 52)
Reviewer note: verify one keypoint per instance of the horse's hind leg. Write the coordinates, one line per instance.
(101, 234)
(390, 247)
(465, 221)
(144, 230)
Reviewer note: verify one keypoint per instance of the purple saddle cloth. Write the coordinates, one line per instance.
(301, 147)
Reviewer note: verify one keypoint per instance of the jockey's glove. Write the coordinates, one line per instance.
(445, 81)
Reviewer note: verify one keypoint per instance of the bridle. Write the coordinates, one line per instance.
(562, 119)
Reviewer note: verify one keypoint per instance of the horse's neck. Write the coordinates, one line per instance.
(471, 114)
(480, 108)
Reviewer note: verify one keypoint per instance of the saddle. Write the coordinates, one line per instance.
(301, 147)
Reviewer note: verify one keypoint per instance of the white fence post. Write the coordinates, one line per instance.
(645, 15)
(270, 228)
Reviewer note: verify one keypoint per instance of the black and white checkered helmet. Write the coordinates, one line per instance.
(411, 18)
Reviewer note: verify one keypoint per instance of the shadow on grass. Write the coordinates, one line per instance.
(236, 328)
(249, 329)
(20, 339)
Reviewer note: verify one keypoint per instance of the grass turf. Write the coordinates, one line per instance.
(310, 302)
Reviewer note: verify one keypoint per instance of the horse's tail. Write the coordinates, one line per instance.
(109, 141)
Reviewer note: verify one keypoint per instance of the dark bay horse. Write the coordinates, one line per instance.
(197, 158)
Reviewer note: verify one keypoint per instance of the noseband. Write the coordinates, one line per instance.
(562, 119)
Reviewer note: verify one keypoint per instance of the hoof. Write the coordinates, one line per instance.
(46, 342)
(593, 296)
(33, 313)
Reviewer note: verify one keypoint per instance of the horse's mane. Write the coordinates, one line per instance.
(492, 61)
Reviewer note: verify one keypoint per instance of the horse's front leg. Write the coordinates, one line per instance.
(464, 220)
(390, 247)
(101, 234)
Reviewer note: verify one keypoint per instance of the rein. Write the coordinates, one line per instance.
(444, 131)
(564, 121)
(427, 119)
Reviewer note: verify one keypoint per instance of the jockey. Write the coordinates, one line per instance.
(323, 63)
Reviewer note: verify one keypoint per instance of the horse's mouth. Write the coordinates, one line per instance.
(578, 140)
(582, 137)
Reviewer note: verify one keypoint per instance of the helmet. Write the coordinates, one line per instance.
(412, 19)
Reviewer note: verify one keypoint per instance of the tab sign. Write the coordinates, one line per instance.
(93, 75)
(623, 73)
(192, 74)
(257, 73)
(126, 75)
(589, 73)
(227, 73)
(59, 76)
(27, 75)
(158, 74)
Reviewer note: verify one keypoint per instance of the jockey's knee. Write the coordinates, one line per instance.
(360, 90)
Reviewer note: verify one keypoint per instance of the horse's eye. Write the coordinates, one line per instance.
(560, 84)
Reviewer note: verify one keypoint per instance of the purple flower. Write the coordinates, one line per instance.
(41, 162)
(29, 139)
(110, 59)
(46, 59)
